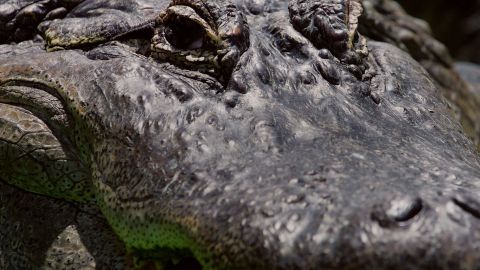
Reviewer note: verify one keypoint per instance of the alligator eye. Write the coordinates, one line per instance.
(184, 34)
(185, 39)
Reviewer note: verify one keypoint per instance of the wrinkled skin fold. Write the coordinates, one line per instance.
(276, 135)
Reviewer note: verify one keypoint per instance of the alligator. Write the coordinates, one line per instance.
(248, 134)
(459, 31)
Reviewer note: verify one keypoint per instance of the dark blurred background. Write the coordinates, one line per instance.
(456, 23)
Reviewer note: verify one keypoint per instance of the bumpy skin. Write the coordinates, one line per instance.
(387, 21)
(19, 18)
(338, 153)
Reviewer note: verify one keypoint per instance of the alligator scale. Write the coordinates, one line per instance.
(247, 134)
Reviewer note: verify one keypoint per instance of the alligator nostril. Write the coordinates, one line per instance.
(404, 209)
(399, 210)
(468, 204)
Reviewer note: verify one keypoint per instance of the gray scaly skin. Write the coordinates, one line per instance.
(298, 141)
(20, 18)
(387, 21)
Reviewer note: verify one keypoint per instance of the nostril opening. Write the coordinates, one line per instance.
(397, 212)
(468, 204)
(405, 209)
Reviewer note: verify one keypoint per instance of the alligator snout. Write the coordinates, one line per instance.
(324, 220)
(304, 223)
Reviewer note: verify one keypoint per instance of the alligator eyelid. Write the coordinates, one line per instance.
(201, 11)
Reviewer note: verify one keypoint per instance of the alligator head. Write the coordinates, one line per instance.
(245, 134)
